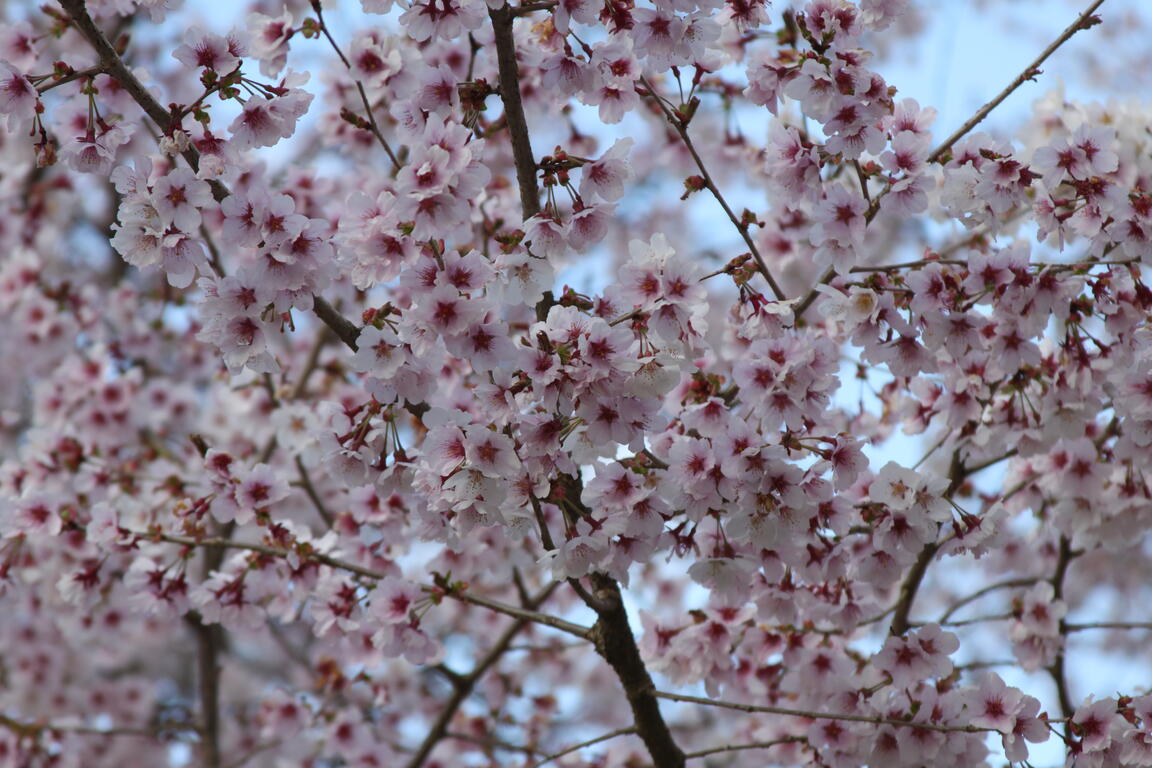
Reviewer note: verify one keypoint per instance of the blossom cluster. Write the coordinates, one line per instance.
(322, 460)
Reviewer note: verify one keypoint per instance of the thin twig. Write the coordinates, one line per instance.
(1108, 625)
(502, 19)
(310, 492)
(742, 747)
(577, 747)
(316, 6)
(819, 715)
(1007, 584)
(463, 687)
(615, 642)
(584, 633)
(1083, 21)
(681, 128)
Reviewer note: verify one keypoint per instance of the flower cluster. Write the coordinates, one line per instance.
(504, 368)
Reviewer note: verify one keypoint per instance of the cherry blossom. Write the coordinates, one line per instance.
(666, 358)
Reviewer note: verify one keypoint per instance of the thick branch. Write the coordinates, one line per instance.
(502, 19)
(209, 642)
(1007, 584)
(909, 587)
(344, 329)
(615, 642)
(523, 613)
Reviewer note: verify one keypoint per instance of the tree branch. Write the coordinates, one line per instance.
(462, 687)
(344, 328)
(1063, 559)
(1083, 21)
(111, 63)
(333, 562)
(741, 747)
(502, 19)
(819, 715)
(911, 584)
(375, 129)
(614, 641)
(590, 742)
(584, 633)
(522, 156)
(1007, 584)
(681, 128)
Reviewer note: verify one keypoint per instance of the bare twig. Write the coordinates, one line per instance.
(819, 715)
(742, 747)
(1083, 21)
(463, 687)
(1007, 584)
(111, 63)
(318, 8)
(681, 128)
(590, 742)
